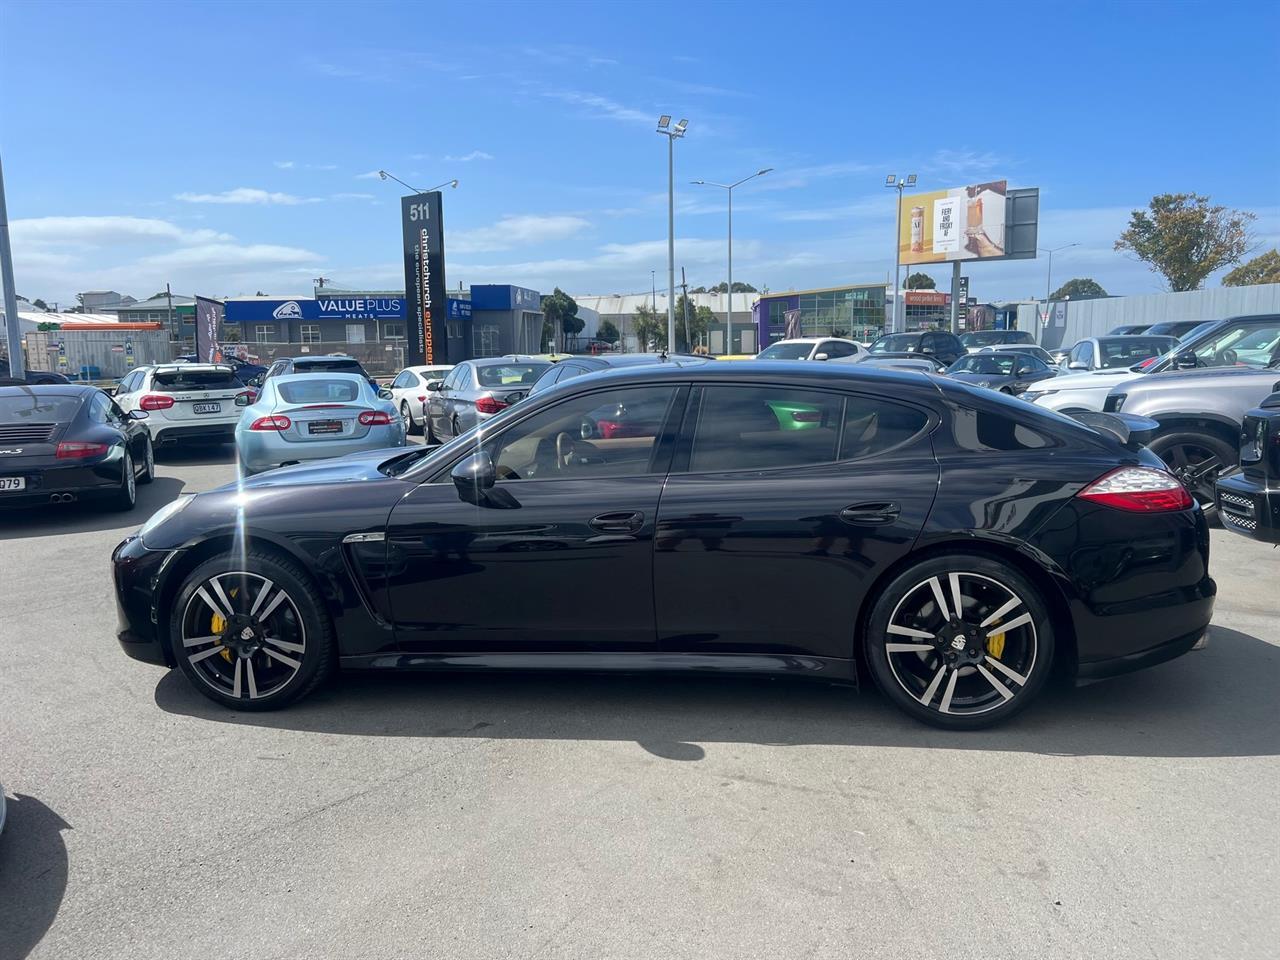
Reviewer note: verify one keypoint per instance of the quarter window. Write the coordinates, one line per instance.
(610, 434)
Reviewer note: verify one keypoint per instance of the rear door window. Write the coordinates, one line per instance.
(509, 374)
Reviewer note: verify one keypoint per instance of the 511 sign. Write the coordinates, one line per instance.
(422, 228)
(419, 211)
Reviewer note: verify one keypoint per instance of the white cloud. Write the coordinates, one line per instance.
(246, 195)
(601, 106)
(285, 164)
(956, 163)
(514, 231)
(294, 165)
(214, 255)
(468, 157)
(371, 175)
(351, 196)
(105, 231)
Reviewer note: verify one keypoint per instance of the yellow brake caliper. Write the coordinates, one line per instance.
(995, 644)
(217, 624)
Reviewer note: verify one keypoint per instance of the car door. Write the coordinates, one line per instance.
(1028, 370)
(556, 556)
(126, 393)
(135, 433)
(438, 403)
(783, 506)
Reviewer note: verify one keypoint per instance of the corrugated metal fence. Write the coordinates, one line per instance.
(96, 354)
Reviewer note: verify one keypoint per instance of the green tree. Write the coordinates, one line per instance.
(1264, 268)
(1184, 239)
(651, 332)
(1081, 288)
(723, 287)
(921, 281)
(37, 302)
(561, 311)
(608, 332)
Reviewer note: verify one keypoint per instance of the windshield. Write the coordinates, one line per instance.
(510, 374)
(896, 343)
(1240, 346)
(993, 364)
(1116, 352)
(180, 380)
(785, 351)
(37, 408)
(983, 338)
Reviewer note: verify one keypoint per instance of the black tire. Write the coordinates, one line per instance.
(149, 469)
(406, 416)
(299, 617)
(127, 496)
(1197, 459)
(431, 438)
(455, 428)
(965, 687)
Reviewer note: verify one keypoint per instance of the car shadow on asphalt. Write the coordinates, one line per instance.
(87, 516)
(33, 874)
(197, 455)
(1217, 702)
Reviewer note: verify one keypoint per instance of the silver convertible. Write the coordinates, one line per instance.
(311, 416)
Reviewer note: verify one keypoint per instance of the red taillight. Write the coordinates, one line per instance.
(1148, 362)
(807, 416)
(374, 418)
(155, 401)
(489, 405)
(422, 399)
(1138, 490)
(277, 421)
(71, 450)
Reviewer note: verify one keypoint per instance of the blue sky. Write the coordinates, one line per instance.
(228, 147)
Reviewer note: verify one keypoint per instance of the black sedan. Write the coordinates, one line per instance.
(784, 518)
(61, 443)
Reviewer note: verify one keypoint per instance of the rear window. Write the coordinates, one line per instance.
(896, 343)
(510, 374)
(38, 408)
(180, 380)
(319, 390)
(331, 366)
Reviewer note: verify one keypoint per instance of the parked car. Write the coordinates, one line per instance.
(1248, 499)
(1129, 328)
(185, 402)
(322, 363)
(29, 377)
(975, 340)
(887, 358)
(313, 416)
(475, 390)
(1115, 353)
(937, 343)
(66, 442)
(245, 371)
(1040, 353)
(1172, 328)
(813, 348)
(1005, 372)
(1201, 413)
(966, 544)
(409, 394)
(576, 366)
(1248, 340)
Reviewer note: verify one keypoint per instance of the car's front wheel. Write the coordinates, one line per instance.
(251, 633)
(960, 641)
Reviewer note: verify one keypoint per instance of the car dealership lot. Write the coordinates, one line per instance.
(485, 816)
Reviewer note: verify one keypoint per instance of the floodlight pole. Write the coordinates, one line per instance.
(899, 183)
(728, 188)
(671, 243)
(1048, 280)
(12, 325)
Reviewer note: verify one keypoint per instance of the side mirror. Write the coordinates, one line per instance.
(434, 385)
(474, 477)
(256, 381)
(243, 399)
(1186, 360)
(1024, 371)
(928, 350)
(820, 356)
(1077, 365)
(138, 415)
(385, 394)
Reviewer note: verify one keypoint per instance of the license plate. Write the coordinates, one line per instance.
(8, 484)
(207, 407)
(324, 426)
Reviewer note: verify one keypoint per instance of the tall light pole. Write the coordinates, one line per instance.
(728, 335)
(13, 326)
(898, 183)
(672, 134)
(382, 174)
(1048, 280)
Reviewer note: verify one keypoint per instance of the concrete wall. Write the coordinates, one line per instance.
(1094, 318)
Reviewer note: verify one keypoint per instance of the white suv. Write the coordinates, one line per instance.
(184, 401)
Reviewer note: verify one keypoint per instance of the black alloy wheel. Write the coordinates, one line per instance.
(960, 641)
(1197, 460)
(251, 634)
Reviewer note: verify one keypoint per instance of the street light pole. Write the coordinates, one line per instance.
(12, 325)
(728, 187)
(900, 184)
(1048, 280)
(672, 134)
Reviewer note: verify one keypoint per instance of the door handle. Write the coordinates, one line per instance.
(624, 521)
(870, 514)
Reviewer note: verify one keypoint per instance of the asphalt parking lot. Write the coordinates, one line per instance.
(480, 816)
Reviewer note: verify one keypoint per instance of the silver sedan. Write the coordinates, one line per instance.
(314, 416)
(476, 390)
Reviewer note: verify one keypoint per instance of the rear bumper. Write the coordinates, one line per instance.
(1115, 666)
(78, 479)
(1249, 508)
(136, 575)
(194, 433)
(264, 451)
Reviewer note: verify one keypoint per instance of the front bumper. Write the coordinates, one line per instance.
(137, 574)
(1249, 508)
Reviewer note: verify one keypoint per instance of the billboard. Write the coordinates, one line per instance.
(208, 316)
(962, 223)
(423, 231)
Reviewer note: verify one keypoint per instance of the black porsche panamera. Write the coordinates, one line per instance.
(779, 518)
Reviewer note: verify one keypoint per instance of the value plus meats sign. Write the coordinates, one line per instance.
(423, 228)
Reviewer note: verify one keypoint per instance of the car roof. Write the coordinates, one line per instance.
(769, 372)
(190, 367)
(49, 390)
(311, 377)
(324, 358)
(508, 358)
(428, 366)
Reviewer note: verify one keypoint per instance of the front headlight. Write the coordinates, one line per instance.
(170, 509)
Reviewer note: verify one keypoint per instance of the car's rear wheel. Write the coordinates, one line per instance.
(149, 468)
(406, 416)
(251, 633)
(960, 641)
(127, 495)
(432, 439)
(1196, 459)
